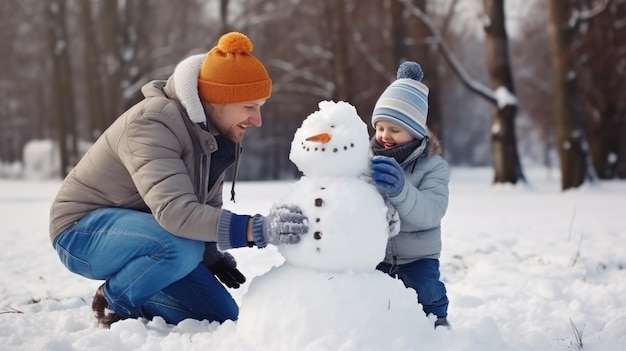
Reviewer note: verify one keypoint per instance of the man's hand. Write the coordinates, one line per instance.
(222, 265)
(226, 271)
(283, 225)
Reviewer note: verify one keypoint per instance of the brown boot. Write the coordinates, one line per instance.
(103, 314)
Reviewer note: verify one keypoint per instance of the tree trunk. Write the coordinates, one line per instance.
(598, 54)
(567, 111)
(111, 60)
(225, 26)
(425, 54)
(336, 15)
(394, 33)
(62, 99)
(506, 162)
(92, 71)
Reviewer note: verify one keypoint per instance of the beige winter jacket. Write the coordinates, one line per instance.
(154, 158)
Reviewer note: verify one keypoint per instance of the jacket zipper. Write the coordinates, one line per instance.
(394, 266)
(202, 181)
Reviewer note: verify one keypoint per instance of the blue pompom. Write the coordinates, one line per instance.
(410, 69)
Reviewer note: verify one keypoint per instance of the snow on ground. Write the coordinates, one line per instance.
(525, 268)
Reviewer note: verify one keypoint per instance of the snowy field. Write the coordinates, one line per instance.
(527, 268)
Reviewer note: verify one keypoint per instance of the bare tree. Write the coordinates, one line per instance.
(506, 160)
(225, 25)
(335, 15)
(394, 33)
(61, 82)
(93, 83)
(598, 53)
(422, 46)
(572, 145)
(530, 56)
(111, 59)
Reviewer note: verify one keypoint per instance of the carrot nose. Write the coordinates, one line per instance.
(320, 138)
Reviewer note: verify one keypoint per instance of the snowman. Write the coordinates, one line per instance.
(328, 284)
(347, 216)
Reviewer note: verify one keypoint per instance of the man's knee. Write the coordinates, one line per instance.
(186, 253)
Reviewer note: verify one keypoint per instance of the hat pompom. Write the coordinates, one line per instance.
(410, 69)
(235, 43)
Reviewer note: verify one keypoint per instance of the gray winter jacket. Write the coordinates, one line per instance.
(421, 205)
(154, 158)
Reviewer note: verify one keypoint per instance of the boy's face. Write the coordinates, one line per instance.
(232, 120)
(389, 134)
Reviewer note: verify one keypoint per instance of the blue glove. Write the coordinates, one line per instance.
(283, 225)
(388, 175)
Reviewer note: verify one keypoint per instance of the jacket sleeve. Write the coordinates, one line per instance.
(423, 205)
(152, 151)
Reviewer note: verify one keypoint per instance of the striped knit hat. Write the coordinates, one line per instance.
(405, 101)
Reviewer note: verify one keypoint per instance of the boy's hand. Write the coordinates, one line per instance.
(388, 175)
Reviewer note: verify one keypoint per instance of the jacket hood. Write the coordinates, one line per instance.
(184, 82)
(433, 147)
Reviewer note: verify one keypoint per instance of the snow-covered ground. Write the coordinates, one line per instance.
(524, 266)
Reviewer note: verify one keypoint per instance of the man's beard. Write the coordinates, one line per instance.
(233, 134)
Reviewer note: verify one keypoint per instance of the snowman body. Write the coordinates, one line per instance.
(332, 311)
(347, 226)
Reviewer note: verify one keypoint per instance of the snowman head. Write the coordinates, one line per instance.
(332, 141)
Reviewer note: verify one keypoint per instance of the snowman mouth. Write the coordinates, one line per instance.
(323, 148)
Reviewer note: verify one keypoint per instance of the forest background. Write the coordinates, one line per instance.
(513, 84)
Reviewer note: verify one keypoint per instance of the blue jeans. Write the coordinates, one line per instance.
(148, 271)
(423, 277)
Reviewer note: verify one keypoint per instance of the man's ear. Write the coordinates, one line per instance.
(208, 107)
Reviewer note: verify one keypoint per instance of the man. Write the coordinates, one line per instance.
(142, 210)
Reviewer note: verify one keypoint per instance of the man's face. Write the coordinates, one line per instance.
(232, 120)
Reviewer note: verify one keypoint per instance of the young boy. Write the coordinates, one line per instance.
(408, 169)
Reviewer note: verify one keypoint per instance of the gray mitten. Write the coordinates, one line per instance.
(283, 225)
(393, 218)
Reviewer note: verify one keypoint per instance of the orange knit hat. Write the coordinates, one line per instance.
(231, 74)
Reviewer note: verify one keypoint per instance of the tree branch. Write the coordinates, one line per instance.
(369, 58)
(470, 83)
(584, 15)
(324, 87)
